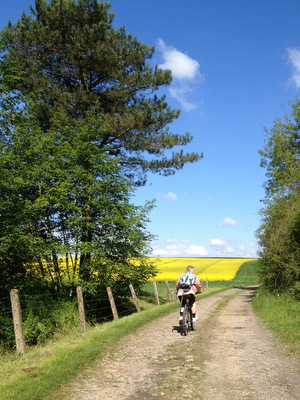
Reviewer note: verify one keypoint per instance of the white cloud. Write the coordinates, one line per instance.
(294, 59)
(171, 240)
(180, 94)
(181, 65)
(185, 71)
(217, 242)
(159, 253)
(218, 248)
(229, 250)
(178, 250)
(173, 247)
(227, 222)
(169, 196)
(196, 251)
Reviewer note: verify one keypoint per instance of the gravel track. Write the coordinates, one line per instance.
(230, 355)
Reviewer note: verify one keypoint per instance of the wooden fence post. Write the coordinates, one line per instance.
(137, 306)
(112, 303)
(206, 283)
(174, 294)
(168, 291)
(17, 320)
(156, 293)
(81, 309)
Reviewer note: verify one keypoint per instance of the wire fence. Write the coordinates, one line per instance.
(28, 313)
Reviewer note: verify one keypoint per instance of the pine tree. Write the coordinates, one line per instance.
(72, 58)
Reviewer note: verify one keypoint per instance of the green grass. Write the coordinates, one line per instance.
(246, 276)
(282, 314)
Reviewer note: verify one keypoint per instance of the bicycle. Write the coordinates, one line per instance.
(187, 320)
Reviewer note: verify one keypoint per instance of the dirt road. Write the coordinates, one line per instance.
(230, 355)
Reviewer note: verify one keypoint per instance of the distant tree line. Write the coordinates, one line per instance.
(279, 233)
(80, 128)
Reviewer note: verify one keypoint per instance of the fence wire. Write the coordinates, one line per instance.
(96, 310)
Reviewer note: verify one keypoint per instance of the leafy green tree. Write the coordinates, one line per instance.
(279, 233)
(280, 155)
(53, 205)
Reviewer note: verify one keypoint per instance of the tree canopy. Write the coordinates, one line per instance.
(279, 233)
(68, 56)
(280, 155)
(81, 126)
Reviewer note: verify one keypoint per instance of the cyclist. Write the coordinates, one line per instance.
(183, 293)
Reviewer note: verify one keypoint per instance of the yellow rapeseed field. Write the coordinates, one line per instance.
(215, 269)
(170, 268)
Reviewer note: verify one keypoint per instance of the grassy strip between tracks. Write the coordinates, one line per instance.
(41, 371)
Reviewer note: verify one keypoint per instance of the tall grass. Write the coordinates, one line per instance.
(282, 314)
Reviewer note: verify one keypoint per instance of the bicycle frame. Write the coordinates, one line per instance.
(187, 323)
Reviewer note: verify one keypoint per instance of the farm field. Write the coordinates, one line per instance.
(215, 269)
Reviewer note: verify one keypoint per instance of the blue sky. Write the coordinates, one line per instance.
(236, 66)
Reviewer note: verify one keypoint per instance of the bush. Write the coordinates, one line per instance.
(280, 241)
(42, 319)
(295, 291)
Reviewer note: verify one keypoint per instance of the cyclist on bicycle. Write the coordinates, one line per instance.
(190, 292)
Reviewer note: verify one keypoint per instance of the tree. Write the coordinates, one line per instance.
(279, 233)
(280, 155)
(80, 127)
(70, 57)
(52, 205)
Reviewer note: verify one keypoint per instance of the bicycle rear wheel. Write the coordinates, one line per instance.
(186, 320)
(191, 324)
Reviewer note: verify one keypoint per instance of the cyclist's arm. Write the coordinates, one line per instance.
(197, 285)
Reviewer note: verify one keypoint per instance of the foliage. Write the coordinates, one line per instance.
(280, 155)
(45, 316)
(280, 239)
(68, 56)
(279, 233)
(80, 126)
(74, 201)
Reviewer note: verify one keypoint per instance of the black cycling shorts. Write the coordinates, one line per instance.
(189, 296)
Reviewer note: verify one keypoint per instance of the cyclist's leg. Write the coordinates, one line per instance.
(181, 308)
(193, 307)
(186, 319)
